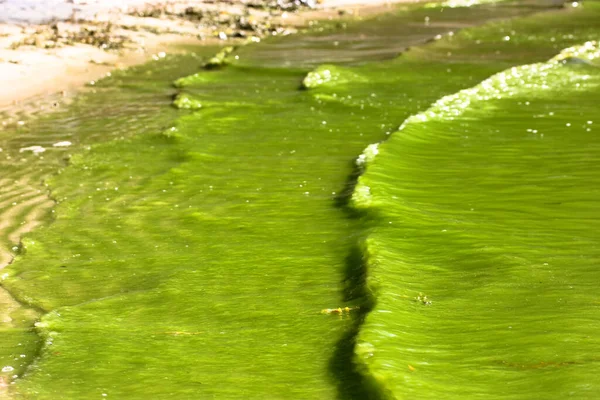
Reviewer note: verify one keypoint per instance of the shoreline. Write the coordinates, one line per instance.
(42, 64)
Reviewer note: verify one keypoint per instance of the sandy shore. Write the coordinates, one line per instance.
(56, 50)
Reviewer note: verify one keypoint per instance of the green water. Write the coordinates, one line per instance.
(483, 248)
(191, 252)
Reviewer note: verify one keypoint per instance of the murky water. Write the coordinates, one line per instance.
(191, 253)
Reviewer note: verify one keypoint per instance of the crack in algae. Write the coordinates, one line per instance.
(354, 382)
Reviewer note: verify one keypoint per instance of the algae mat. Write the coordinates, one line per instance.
(482, 253)
(193, 260)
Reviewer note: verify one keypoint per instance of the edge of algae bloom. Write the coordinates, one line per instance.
(503, 85)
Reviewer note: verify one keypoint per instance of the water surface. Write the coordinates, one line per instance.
(192, 251)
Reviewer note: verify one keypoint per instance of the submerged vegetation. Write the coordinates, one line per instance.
(238, 245)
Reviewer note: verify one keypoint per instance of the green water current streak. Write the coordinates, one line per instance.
(193, 260)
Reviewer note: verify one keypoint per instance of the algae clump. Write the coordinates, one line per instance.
(327, 75)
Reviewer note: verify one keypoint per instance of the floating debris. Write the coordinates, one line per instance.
(65, 143)
(339, 310)
(421, 298)
(34, 149)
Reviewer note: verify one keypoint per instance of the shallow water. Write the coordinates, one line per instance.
(191, 252)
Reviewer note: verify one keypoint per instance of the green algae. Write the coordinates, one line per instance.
(381, 37)
(144, 95)
(220, 59)
(330, 75)
(487, 202)
(184, 101)
(193, 259)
